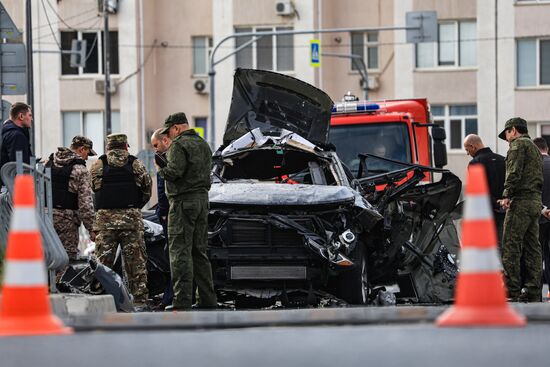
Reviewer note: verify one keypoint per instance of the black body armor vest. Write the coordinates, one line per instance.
(62, 197)
(118, 189)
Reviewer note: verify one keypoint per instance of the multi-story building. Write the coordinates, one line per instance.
(492, 61)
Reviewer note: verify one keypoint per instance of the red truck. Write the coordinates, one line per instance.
(393, 129)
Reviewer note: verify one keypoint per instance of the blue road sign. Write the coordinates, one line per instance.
(315, 53)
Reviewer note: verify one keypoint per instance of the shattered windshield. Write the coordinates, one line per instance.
(388, 140)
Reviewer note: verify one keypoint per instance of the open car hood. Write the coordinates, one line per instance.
(272, 101)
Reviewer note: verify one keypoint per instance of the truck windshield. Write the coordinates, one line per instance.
(388, 140)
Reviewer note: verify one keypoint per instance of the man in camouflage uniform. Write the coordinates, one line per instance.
(187, 177)
(122, 186)
(72, 192)
(521, 250)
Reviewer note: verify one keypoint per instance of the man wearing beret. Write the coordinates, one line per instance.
(122, 187)
(521, 250)
(72, 192)
(187, 177)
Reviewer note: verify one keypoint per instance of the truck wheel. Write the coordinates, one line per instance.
(353, 284)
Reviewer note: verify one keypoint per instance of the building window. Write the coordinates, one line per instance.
(202, 47)
(94, 52)
(365, 44)
(458, 121)
(544, 132)
(267, 53)
(456, 46)
(89, 124)
(533, 62)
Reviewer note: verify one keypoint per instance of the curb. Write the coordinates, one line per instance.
(74, 305)
(292, 317)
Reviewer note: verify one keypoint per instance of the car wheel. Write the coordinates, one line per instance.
(353, 284)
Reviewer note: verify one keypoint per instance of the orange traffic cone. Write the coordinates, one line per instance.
(25, 306)
(480, 297)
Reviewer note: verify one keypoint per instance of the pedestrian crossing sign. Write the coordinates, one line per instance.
(315, 53)
(199, 131)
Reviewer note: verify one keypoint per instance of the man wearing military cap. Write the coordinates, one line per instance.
(122, 187)
(521, 250)
(72, 192)
(187, 177)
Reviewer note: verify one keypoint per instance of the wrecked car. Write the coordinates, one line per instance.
(417, 245)
(286, 214)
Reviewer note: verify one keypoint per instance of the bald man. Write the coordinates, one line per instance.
(495, 168)
(161, 143)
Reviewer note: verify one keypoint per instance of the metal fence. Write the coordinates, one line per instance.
(147, 157)
(55, 255)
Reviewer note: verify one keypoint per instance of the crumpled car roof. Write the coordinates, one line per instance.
(279, 195)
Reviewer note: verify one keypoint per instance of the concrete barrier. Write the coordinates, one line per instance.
(69, 305)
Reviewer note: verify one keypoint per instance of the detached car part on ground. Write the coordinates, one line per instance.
(92, 277)
(286, 214)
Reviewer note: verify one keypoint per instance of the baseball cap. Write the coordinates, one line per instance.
(174, 119)
(82, 141)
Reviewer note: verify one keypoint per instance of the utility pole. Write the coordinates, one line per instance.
(107, 67)
(30, 84)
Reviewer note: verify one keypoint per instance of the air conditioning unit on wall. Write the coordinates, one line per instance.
(99, 85)
(284, 8)
(373, 82)
(201, 86)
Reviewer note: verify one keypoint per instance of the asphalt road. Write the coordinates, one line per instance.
(369, 345)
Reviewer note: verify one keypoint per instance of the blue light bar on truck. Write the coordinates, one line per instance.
(346, 107)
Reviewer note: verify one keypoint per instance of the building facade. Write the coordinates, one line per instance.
(491, 62)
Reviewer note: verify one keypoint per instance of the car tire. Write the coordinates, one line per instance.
(353, 284)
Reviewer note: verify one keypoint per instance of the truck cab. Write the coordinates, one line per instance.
(394, 129)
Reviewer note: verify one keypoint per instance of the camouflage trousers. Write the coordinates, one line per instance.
(521, 249)
(67, 231)
(135, 257)
(188, 240)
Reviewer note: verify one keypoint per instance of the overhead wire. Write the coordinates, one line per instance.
(140, 66)
(93, 26)
(331, 45)
(58, 16)
(59, 46)
(92, 10)
(50, 25)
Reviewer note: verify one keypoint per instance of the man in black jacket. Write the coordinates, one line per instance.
(161, 143)
(544, 222)
(495, 168)
(15, 134)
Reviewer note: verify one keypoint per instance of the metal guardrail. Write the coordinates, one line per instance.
(55, 255)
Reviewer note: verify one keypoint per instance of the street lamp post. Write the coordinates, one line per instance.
(30, 73)
(107, 66)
